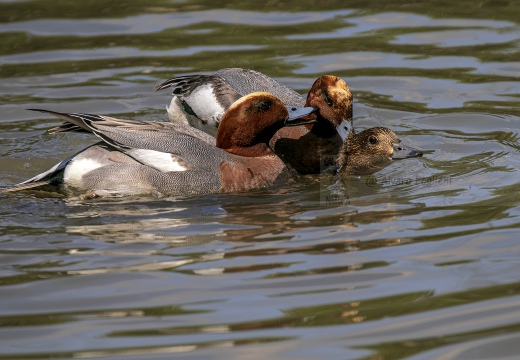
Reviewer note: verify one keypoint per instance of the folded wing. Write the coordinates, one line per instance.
(163, 146)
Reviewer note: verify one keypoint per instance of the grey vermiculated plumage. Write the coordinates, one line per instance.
(144, 178)
(122, 138)
(98, 124)
(131, 134)
(148, 180)
(236, 81)
(246, 81)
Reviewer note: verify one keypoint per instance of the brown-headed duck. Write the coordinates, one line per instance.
(146, 157)
(200, 100)
(371, 150)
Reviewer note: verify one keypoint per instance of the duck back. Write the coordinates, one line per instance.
(246, 81)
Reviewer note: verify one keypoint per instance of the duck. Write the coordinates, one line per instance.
(173, 159)
(200, 100)
(371, 150)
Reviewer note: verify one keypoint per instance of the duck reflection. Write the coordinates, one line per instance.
(161, 227)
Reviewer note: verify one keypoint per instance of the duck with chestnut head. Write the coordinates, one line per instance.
(147, 157)
(200, 100)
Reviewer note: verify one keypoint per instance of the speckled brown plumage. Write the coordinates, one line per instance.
(371, 150)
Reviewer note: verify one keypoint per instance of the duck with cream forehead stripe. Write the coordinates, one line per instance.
(146, 157)
(200, 100)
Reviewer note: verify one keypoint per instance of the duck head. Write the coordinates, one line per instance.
(332, 98)
(251, 121)
(371, 150)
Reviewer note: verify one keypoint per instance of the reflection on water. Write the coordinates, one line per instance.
(418, 261)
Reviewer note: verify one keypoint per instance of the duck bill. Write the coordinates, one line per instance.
(299, 116)
(404, 152)
(345, 128)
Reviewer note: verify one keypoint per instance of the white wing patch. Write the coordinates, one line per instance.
(161, 161)
(73, 174)
(204, 103)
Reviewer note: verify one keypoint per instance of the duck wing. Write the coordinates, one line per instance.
(207, 96)
(160, 145)
(246, 81)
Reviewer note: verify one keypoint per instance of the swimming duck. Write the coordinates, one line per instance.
(200, 100)
(371, 150)
(146, 157)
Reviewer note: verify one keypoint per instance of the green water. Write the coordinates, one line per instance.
(419, 261)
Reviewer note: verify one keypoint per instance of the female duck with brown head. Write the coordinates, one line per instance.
(371, 150)
(146, 157)
(200, 100)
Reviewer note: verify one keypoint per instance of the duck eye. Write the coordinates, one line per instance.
(264, 105)
(372, 140)
(327, 99)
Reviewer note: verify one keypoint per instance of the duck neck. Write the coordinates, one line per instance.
(257, 150)
(322, 127)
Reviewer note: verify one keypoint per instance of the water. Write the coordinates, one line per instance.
(419, 261)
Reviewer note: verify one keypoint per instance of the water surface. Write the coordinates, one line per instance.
(419, 261)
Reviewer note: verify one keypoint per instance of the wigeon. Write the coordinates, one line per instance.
(146, 157)
(201, 100)
(371, 150)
